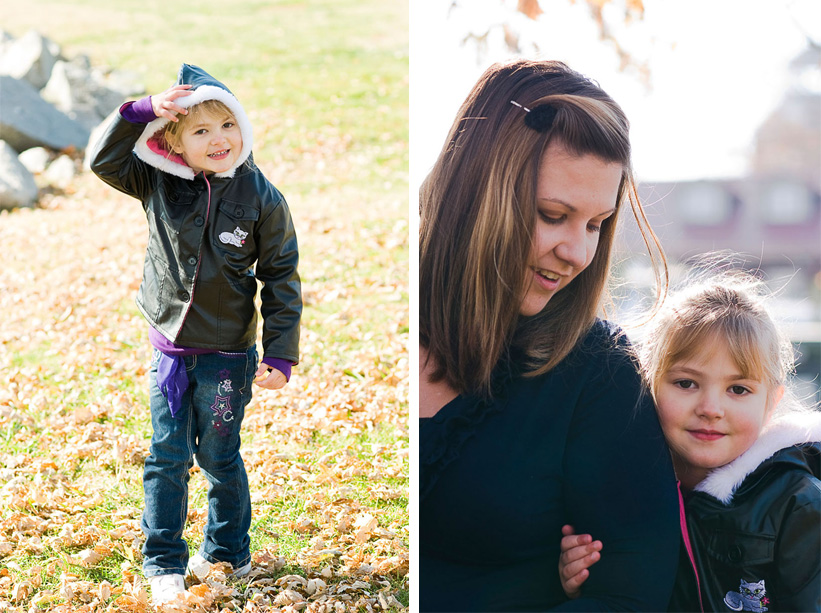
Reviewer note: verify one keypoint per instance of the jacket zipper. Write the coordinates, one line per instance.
(685, 536)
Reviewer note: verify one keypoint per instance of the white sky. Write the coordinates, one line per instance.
(718, 69)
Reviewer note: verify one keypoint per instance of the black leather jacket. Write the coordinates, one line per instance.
(757, 541)
(210, 241)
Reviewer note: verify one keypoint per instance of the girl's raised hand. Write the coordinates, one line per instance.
(579, 552)
(163, 104)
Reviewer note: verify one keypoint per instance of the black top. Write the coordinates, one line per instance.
(579, 445)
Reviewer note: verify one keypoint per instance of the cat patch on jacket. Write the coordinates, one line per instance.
(749, 597)
(237, 239)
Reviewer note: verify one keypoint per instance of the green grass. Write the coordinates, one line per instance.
(325, 84)
(317, 77)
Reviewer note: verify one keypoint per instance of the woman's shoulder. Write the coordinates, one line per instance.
(601, 363)
(604, 331)
(604, 342)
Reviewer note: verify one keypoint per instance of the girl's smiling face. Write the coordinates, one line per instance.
(710, 412)
(210, 143)
(575, 195)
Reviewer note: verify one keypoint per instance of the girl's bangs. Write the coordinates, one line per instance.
(747, 347)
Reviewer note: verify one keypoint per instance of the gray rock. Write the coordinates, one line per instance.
(30, 57)
(35, 159)
(67, 91)
(82, 61)
(125, 82)
(5, 40)
(17, 186)
(60, 172)
(77, 92)
(26, 120)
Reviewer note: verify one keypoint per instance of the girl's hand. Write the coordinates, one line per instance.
(269, 378)
(579, 552)
(164, 106)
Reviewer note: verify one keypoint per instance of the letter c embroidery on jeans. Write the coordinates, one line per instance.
(223, 414)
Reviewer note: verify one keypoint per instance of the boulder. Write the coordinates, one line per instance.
(5, 40)
(125, 82)
(17, 186)
(26, 120)
(76, 91)
(30, 57)
(35, 159)
(60, 172)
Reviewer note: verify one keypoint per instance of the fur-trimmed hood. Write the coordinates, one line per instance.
(150, 147)
(781, 433)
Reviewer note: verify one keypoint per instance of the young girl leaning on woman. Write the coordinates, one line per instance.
(216, 227)
(746, 453)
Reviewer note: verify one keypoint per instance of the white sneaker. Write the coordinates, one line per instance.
(200, 567)
(165, 588)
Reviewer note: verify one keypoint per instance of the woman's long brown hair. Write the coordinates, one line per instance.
(477, 214)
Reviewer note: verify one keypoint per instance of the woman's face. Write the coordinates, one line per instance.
(575, 194)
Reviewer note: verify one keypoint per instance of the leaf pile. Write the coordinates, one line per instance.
(327, 457)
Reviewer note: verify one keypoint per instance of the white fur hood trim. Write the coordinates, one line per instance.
(782, 432)
(200, 94)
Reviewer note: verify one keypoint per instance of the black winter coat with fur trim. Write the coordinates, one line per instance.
(210, 239)
(755, 527)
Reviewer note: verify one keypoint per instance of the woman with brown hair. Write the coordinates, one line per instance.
(532, 413)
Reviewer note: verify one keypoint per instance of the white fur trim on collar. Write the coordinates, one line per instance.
(782, 432)
(202, 93)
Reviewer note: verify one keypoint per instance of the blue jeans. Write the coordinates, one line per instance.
(207, 426)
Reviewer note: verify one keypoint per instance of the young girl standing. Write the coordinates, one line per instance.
(746, 453)
(216, 227)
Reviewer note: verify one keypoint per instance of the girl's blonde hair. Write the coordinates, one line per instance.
(730, 309)
(478, 210)
(209, 108)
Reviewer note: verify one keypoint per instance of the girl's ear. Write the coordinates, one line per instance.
(170, 144)
(775, 397)
(170, 139)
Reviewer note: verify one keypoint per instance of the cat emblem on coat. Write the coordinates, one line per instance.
(749, 597)
(237, 238)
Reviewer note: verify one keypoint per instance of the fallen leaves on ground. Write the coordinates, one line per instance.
(327, 457)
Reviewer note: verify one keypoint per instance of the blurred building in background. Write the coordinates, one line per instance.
(771, 216)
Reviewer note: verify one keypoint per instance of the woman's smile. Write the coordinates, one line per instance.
(575, 195)
(548, 280)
